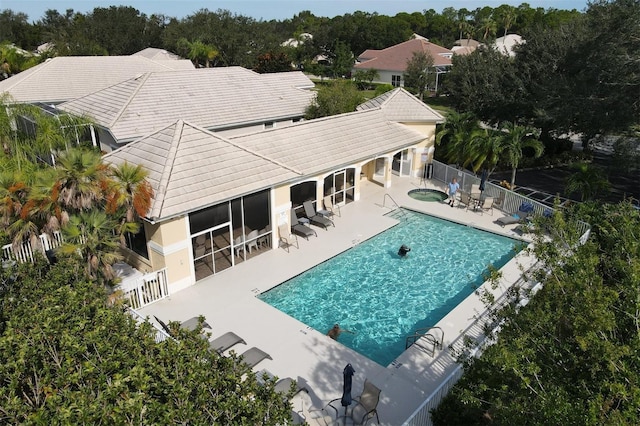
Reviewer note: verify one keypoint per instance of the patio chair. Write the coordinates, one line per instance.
(366, 406)
(252, 240)
(251, 357)
(487, 205)
(329, 208)
(300, 228)
(265, 236)
(226, 341)
(465, 199)
(475, 190)
(238, 246)
(315, 218)
(287, 238)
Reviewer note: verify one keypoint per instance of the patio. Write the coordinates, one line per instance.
(228, 302)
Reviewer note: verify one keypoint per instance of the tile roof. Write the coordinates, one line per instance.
(213, 98)
(401, 106)
(157, 54)
(63, 78)
(191, 168)
(395, 58)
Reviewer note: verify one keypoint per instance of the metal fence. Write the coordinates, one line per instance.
(511, 200)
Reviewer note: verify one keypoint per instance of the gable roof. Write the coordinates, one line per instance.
(63, 78)
(191, 168)
(401, 106)
(213, 98)
(395, 58)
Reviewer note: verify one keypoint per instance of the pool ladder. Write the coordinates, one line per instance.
(432, 338)
(397, 206)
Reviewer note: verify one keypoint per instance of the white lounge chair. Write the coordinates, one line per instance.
(287, 238)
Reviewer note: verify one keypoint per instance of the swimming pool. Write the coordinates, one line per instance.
(382, 297)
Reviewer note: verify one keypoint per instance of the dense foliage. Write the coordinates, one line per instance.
(578, 76)
(335, 97)
(241, 40)
(570, 356)
(68, 358)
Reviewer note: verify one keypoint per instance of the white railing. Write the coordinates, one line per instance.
(160, 335)
(145, 290)
(138, 293)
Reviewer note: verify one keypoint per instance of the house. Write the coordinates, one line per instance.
(64, 78)
(465, 46)
(508, 43)
(228, 101)
(218, 200)
(391, 63)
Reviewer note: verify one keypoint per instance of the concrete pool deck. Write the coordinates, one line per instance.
(228, 301)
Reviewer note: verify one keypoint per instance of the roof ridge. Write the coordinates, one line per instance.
(245, 149)
(171, 158)
(145, 76)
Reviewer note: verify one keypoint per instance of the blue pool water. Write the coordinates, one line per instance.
(382, 297)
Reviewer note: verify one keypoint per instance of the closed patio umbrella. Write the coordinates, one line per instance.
(347, 375)
(483, 179)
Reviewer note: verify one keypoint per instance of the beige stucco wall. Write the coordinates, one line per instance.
(169, 247)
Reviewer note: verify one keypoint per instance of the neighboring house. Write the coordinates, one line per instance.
(64, 78)
(465, 46)
(228, 101)
(296, 42)
(156, 54)
(391, 63)
(507, 44)
(218, 200)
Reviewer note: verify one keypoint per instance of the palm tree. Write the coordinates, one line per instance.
(514, 138)
(485, 150)
(588, 180)
(82, 179)
(90, 235)
(489, 27)
(130, 195)
(455, 135)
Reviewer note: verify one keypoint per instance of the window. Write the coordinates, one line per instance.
(137, 242)
(395, 80)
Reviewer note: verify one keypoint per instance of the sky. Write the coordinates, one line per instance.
(273, 9)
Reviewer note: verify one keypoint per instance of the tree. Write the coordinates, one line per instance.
(68, 357)
(515, 139)
(90, 235)
(570, 355)
(588, 180)
(337, 97)
(82, 178)
(416, 75)
(273, 62)
(453, 137)
(364, 78)
(341, 60)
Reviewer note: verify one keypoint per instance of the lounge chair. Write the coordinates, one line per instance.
(287, 238)
(519, 217)
(315, 218)
(299, 228)
(251, 357)
(282, 385)
(224, 342)
(190, 324)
